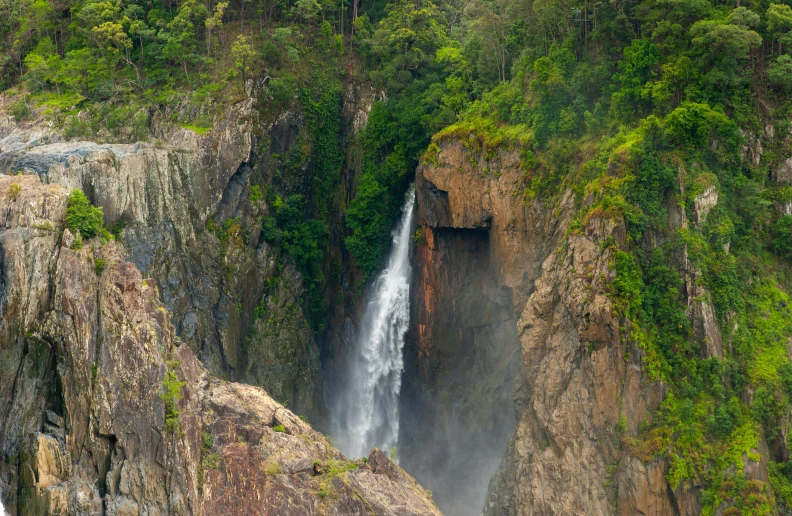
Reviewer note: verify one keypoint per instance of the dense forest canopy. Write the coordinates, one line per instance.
(560, 69)
(634, 105)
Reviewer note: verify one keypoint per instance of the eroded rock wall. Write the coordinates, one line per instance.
(510, 293)
(480, 249)
(581, 389)
(183, 208)
(104, 411)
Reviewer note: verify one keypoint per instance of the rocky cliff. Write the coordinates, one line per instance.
(187, 211)
(104, 411)
(479, 254)
(526, 365)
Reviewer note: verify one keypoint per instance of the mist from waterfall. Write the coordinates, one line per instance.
(367, 412)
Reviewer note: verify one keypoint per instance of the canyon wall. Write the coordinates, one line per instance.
(185, 213)
(103, 410)
(519, 367)
(479, 251)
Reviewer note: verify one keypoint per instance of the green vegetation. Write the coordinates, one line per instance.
(171, 396)
(208, 460)
(13, 191)
(637, 107)
(77, 243)
(207, 441)
(329, 471)
(279, 428)
(304, 239)
(82, 216)
(99, 266)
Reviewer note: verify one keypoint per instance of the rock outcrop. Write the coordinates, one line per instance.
(509, 290)
(583, 389)
(185, 212)
(104, 411)
(480, 250)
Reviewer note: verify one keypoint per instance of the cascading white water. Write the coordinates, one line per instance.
(2, 509)
(369, 411)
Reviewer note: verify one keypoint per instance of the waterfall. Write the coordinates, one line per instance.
(2, 509)
(368, 415)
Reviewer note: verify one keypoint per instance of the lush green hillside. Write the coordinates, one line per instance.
(640, 108)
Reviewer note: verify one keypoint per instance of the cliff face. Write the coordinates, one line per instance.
(521, 358)
(103, 410)
(186, 215)
(580, 383)
(479, 254)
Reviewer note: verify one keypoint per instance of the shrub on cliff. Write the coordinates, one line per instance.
(171, 396)
(782, 232)
(82, 216)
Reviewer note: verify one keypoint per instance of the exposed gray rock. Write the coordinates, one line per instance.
(704, 202)
(783, 172)
(700, 309)
(165, 195)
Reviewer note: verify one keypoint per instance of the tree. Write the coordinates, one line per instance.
(243, 55)
(82, 216)
(306, 10)
(723, 47)
(180, 34)
(780, 72)
(779, 23)
(641, 59)
(138, 27)
(490, 19)
(35, 18)
(213, 22)
(43, 64)
(113, 40)
(407, 39)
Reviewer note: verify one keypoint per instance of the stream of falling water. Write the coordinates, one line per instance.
(369, 415)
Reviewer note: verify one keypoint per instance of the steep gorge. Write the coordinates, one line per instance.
(105, 411)
(528, 387)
